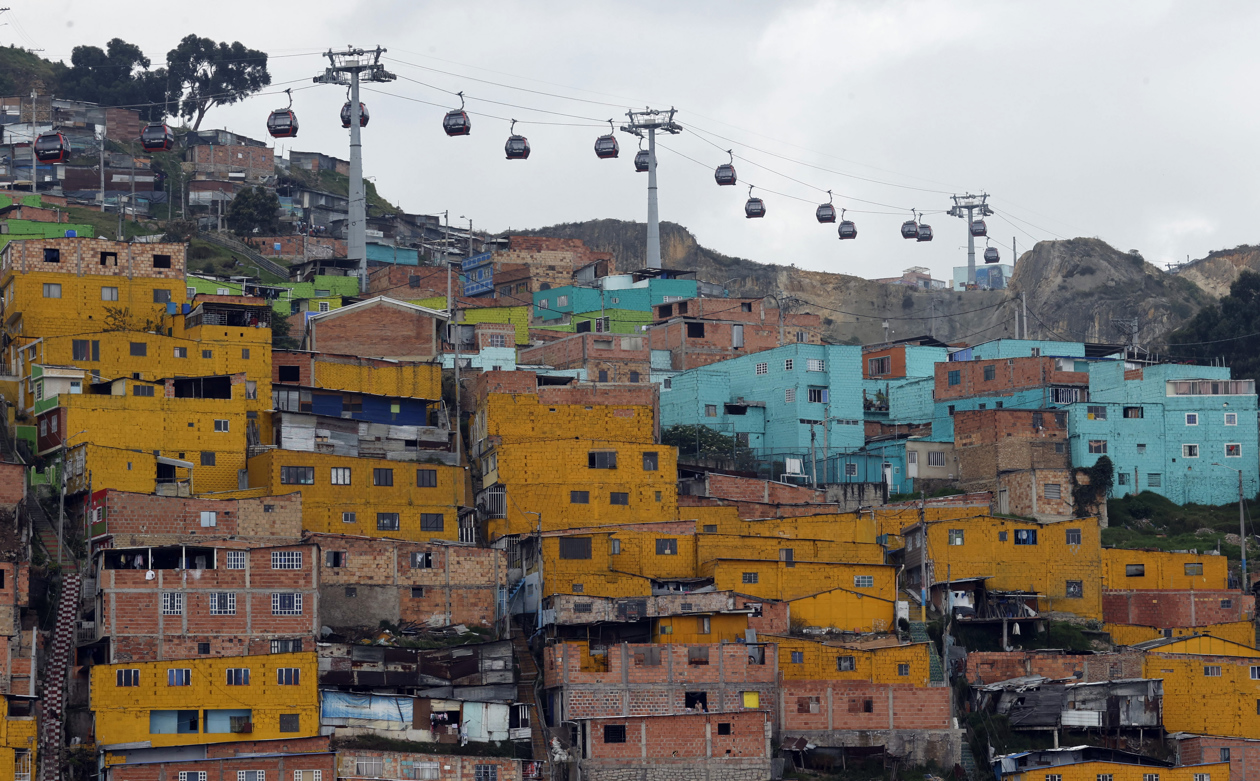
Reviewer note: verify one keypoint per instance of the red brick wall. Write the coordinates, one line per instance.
(292, 246)
(987, 426)
(12, 484)
(1244, 755)
(753, 490)
(380, 331)
(155, 517)
(911, 707)
(682, 737)
(749, 511)
(993, 666)
(1170, 609)
(226, 768)
(775, 618)
(395, 282)
(1010, 374)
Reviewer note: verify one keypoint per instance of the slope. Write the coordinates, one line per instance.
(1220, 269)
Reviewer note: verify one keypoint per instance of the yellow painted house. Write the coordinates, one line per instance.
(1119, 771)
(1241, 632)
(1059, 561)
(206, 700)
(18, 745)
(835, 527)
(352, 374)
(1127, 569)
(1211, 685)
(811, 660)
(845, 596)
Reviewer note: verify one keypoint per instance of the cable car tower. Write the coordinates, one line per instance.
(968, 206)
(652, 121)
(347, 69)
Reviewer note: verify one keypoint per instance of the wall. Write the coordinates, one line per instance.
(1244, 755)
(144, 519)
(1241, 632)
(993, 666)
(279, 766)
(1164, 570)
(1119, 771)
(355, 374)
(674, 747)
(449, 768)
(1009, 374)
(1224, 704)
(376, 330)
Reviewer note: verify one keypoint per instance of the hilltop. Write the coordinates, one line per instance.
(1216, 272)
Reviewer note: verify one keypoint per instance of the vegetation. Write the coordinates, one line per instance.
(1226, 331)
(702, 442)
(1149, 520)
(119, 75)
(208, 74)
(254, 209)
(1086, 495)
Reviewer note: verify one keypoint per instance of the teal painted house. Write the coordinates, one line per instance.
(617, 292)
(1181, 431)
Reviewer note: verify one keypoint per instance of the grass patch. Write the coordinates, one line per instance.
(1149, 520)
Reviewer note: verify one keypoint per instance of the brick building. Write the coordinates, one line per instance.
(985, 667)
(1020, 456)
(122, 519)
(701, 331)
(605, 357)
(363, 763)
(299, 246)
(1242, 754)
(377, 328)
(237, 162)
(732, 746)
(299, 766)
(551, 262)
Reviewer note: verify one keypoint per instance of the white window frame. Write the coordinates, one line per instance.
(936, 458)
(222, 603)
(815, 365)
(253, 775)
(221, 426)
(286, 559)
(172, 603)
(340, 475)
(1231, 418)
(179, 676)
(209, 518)
(1192, 418)
(367, 767)
(236, 559)
(1211, 671)
(288, 676)
(863, 581)
(850, 470)
(1190, 450)
(1237, 454)
(761, 368)
(192, 775)
(957, 536)
(789, 395)
(278, 610)
(237, 676)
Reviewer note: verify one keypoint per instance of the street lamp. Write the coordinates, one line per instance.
(1242, 531)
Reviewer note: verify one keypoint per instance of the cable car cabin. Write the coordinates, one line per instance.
(826, 213)
(157, 137)
(457, 123)
(345, 115)
(909, 229)
(282, 124)
(725, 174)
(991, 255)
(606, 147)
(642, 160)
(925, 233)
(848, 230)
(978, 228)
(517, 148)
(52, 148)
(754, 208)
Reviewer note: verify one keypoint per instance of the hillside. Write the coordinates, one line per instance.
(21, 71)
(1080, 289)
(1216, 272)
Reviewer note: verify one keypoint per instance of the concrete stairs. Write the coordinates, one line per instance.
(56, 664)
(919, 634)
(969, 762)
(528, 676)
(45, 530)
(244, 250)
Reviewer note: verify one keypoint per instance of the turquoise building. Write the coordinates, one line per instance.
(615, 292)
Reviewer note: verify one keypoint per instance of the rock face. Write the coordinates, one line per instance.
(1219, 269)
(1081, 289)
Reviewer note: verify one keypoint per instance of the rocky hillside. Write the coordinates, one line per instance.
(1080, 289)
(1219, 269)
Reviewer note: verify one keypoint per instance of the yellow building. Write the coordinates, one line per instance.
(408, 500)
(1127, 569)
(353, 374)
(524, 417)
(712, 628)
(710, 547)
(836, 527)
(1211, 685)
(847, 597)
(1241, 632)
(18, 742)
(1118, 771)
(206, 700)
(1060, 562)
(590, 564)
(812, 660)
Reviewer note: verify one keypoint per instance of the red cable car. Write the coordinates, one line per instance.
(157, 137)
(725, 173)
(606, 147)
(456, 121)
(517, 147)
(345, 115)
(754, 208)
(52, 148)
(283, 123)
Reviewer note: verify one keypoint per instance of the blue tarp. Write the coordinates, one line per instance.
(346, 705)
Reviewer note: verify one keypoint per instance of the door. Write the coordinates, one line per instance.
(737, 336)
(912, 464)
(1004, 505)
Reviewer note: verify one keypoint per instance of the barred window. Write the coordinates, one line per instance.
(222, 604)
(172, 603)
(238, 676)
(236, 559)
(291, 722)
(192, 775)
(286, 604)
(286, 559)
(863, 581)
(575, 547)
(489, 772)
(750, 577)
(846, 663)
(815, 365)
(762, 368)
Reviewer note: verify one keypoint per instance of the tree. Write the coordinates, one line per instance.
(205, 74)
(1227, 330)
(254, 209)
(281, 333)
(119, 75)
(702, 442)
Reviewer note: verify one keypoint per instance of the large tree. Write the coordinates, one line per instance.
(206, 74)
(1228, 330)
(254, 209)
(117, 75)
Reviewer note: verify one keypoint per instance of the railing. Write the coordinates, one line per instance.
(492, 502)
(249, 252)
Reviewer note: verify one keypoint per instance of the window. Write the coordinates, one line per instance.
(651, 461)
(601, 459)
(161, 296)
(52, 290)
(562, 300)
(850, 470)
(127, 678)
(1231, 419)
(695, 330)
(1122, 478)
(1001, 536)
(491, 772)
(614, 547)
(936, 458)
(903, 669)
(1098, 446)
(879, 365)
(139, 349)
(432, 522)
(222, 604)
(387, 522)
(1212, 670)
(1189, 451)
(1224, 755)
(1054, 777)
(52, 255)
(1073, 536)
(1052, 491)
(79, 349)
(1025, 536)
(863, 581)
(619, 498)
(238, 676)
(288, 676)
(710, 410)
(1096, 413)
(297, 475)
(789, 396)
(220, 426)
(109, 293)
(286, 646)
(990, 372)
(787, 364)
(951, 409)
(366, 767)
(579, 497)
(286, 604)
(1150, 777)
(382, 477)
(161, 261)
(172, 603)
(191, 775)
(1255, 673)
(955, 377)
(426, 478)
(339, 475)
(761, 368)
(575, 547)
(668, 547)
(1233, 450)
(422, 560)
(236, 559)
(956, 536)
(614, 733)
(207, 458)
(286, 559)
(1141, 449)
(179, 676)
(798, 657)
(846, 663)
(1227, 603)
(815, 365)
(1192, 418)
(750, 577)
(818, 396)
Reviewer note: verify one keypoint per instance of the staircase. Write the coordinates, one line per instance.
(45, 530)
(919, 634)
(969, 762)
(526, 692)
(55, 666)
(248, 252)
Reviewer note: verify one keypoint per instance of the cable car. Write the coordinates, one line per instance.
(978, 228)
(725, 173)
(606, 147)
(909, 229)
(991, 255)
(642, 161)
(847, 229)
(925, 233)
(754, 208)
(52, 148)
(345, 115)
(157, 137)
(517, 147)
(826, 212)
(283, 123)
(456, 122)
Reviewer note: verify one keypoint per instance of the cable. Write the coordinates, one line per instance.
(500, 103)
(479, 114)
(497, 84)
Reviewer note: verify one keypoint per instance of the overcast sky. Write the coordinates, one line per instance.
(1133, 122)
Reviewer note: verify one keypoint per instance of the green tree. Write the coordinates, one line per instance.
(205, 74)
(281, 333)
(254, 209)
(1228, 330)
(118, 75)
(702, 442)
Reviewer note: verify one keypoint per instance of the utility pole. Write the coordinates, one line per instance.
(923, 584)
(102, 170)
(966, 206)
(1024, 297)
(34, 138)
(1242, 535)
(348, 68)
(652, 121)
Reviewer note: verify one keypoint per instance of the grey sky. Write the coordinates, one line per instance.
(1127, 121)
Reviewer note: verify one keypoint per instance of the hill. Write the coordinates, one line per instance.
(1220, 269)
(21, 71)
(1077, 289)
